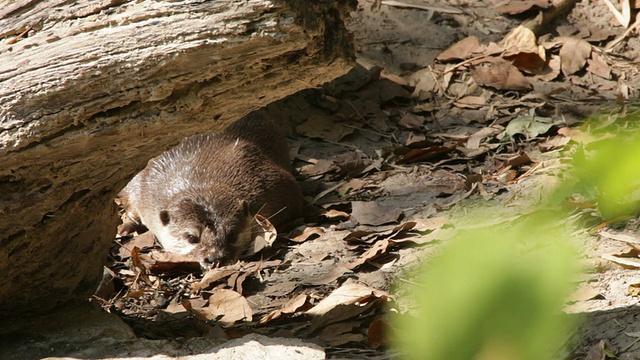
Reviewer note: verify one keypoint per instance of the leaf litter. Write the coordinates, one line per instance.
(384, 158)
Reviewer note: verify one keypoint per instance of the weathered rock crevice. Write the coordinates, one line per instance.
(91, 90)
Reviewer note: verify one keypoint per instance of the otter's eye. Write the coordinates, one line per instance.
(192, 239)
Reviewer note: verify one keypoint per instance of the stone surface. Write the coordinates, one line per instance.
(91, 90)
(84, 331)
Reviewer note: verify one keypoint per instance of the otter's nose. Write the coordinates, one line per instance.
(213, 259)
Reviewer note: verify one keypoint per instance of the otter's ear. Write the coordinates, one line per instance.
(164, 217)
(245, 208)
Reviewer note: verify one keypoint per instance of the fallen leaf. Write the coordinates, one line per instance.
(471, 102)
(144, 240)
(227, 307)
(585, 293)
(349, 301)
(460, 50)
(474, 140)
(530, 127)
(574, 54)
(263, 236)
(430, 152)
(518, 160)
(211, 277)
(431, 224)
(411, 121)
(334, 214)
(340, 333)
(515, 7)
(424, 84)
(499, 74)
(299, 304)
(335, 273)
(630, 238)
(552, 70)
(371, 236)
(377, 249)
(624, 262)
(519, 39)
(349, 186)
(175, 308)
(348, 293)
(634, 289)
(324, 127)
(554, 142)
(603, 350)
(310, 232)
(374, 213)
(598, 66)
(318, 167)
(380, 91)
(378, 334)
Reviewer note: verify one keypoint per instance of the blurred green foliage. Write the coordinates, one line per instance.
(497, 292)
(607, 172)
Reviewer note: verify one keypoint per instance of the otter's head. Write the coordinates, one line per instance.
(211, 232)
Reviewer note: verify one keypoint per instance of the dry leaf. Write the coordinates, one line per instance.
(515, 7)
(349, 293)
(519, 40)
(530, 127)
(518, 160)
(574, 54)
(299, 304)
(342, 312)
(460, 50)
(340, 333)
(598, 66)
(490, 49)
(630, 238)
(474, 140)
(424, 83)
(624, 262)
(411, 121)
(144, 240)
(318, 167)
(227, 307)
(431, 224)
(211, 277)
(378, 334)
(378, 248)
(554, 142)
(310, 232)
(263, 236)
(585, 293)
(552, 70)
(523, 51)
(470, 102)
(373, 213)
(335, 273)
(349, 301)
(416, 155)
(603, 350)
(499, 74)
(323, 127)
(334, 214)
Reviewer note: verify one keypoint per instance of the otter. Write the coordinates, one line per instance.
(200, 197)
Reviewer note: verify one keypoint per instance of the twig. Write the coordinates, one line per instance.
(439, 9)
(626, 33)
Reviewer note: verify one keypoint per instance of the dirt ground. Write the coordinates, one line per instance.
(393, 158)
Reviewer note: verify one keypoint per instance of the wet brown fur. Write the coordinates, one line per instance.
(206, 189)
